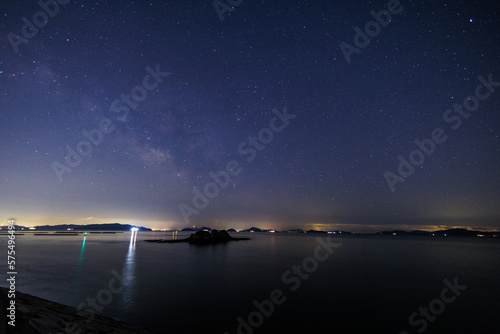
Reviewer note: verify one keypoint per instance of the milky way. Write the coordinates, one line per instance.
(113, 111)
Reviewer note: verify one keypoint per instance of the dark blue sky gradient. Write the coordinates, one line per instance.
(324, 170)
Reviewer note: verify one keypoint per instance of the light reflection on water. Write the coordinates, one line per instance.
(129, 276)
(81, 259)
(180, 282)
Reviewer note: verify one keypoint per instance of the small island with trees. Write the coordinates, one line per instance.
(204, 238)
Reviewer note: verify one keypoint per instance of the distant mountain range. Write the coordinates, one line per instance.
(91, 227)
(445, 233)
(462, 232)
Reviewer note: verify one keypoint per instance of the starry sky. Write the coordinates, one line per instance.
(172, 92)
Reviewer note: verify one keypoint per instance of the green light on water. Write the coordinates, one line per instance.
(83, 245)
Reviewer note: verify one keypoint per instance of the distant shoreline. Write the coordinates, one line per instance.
(54, 231)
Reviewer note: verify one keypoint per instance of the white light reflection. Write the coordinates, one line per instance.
(133, 236)
(129, 274)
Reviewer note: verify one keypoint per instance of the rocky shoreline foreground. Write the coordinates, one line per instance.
(202, 238)
(36, 315)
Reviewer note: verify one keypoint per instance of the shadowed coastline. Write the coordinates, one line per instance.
(37, 315)
(203, 238)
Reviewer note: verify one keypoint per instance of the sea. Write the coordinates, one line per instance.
(272, 283)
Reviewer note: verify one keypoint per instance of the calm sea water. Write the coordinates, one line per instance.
(368, 285)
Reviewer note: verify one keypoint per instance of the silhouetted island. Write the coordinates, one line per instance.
(204, 238)
(76, 228)
(454, 232)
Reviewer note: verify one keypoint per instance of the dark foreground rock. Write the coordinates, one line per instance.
(204, 238)
(36, 315)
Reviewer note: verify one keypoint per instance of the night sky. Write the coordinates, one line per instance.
(307, 122)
